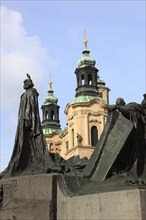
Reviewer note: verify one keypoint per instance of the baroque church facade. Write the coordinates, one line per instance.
(86, 113)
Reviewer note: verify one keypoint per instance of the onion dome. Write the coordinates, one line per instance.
(50, 97)
(86, 59)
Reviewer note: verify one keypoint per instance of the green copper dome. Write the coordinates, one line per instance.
(85, 99)
(50, 97)
(86, 59)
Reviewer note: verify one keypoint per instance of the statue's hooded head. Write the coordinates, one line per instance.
(28, 83)
(120, 101)
(144, 95)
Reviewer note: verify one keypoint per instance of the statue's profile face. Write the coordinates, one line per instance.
(27, 84)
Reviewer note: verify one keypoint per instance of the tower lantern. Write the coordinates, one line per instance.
(50, 111)
(86, 73)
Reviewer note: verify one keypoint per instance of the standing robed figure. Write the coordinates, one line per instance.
(29, 148)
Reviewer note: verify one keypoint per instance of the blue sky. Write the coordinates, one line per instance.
(40, 37)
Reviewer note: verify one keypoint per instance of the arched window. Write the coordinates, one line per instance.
(78, 83)
(52, 115)
(46, 115)
(89, 79)
(72, 137)
(94, 135)
(83, 79)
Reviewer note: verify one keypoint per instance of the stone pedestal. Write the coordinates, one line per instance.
(29, 198)
(39, 197)
(119, 205)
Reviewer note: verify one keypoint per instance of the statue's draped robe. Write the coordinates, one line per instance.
(29, 147)
(132, 158)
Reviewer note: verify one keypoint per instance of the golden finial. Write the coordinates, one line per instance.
(85, 39)
(50, 82)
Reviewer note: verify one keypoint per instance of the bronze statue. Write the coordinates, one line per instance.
(29, 147)
(143, 103)
(1, 194)
(30, 154)
(132, 158)
(121, 148)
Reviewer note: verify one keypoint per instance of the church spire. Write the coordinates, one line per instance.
(86, 73)
(50, 111)
(85, 39)
(86, 59)
(86, 51)
(50, 82)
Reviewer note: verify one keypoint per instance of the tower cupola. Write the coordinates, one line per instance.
(50, 97)
(86, 59)
(86, 73)
(50, 112)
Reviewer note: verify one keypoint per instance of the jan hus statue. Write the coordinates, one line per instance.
(29, 147)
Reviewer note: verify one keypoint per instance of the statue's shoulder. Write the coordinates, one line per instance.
(134, 106)
(32, 92)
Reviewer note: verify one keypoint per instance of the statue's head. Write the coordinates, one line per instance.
(120, 101)
(28, 83)
(144, 95)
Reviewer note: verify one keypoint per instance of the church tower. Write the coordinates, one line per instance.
(86, 74)
(87, 112)
(50, 111)
(50, 123)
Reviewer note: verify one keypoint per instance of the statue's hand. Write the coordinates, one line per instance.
(111, 108)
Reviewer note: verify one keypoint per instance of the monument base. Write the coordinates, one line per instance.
(29, 198)
(38, 197)
(117, 205)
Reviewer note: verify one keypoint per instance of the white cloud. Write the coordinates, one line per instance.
(11, 28)
(20, 53)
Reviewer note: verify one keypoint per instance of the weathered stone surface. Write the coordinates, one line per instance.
(38, 197)
(108, 148)
(121, 205)
(29, 198)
